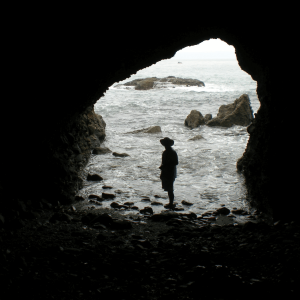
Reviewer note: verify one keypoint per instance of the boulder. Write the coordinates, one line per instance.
(237, 113)
(194, 119)
(197, 137)
(94, 177)
(101, 150)
(151, 129)
(120, 154)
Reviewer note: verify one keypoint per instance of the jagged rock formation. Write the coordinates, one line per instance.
(194, 119)
(154, 82)
(66, 78)
(237, 113)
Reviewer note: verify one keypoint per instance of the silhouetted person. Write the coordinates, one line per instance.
(168, 168)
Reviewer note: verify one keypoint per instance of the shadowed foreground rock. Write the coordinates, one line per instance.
(237, 113)
(68, 254)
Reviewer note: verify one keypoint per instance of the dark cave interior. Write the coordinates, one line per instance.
(56, 71)
(70, 71)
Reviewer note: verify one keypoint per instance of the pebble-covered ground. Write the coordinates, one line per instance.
(74, 253)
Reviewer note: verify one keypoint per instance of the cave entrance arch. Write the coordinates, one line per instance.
(189, 185)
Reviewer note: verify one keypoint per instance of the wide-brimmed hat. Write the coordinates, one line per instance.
(167, 142)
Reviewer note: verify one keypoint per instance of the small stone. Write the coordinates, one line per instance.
(156, 203)
(179, 208)
(120, 154)
(92, 196)
(106, 187)
(129, 203)
(115, 205)
(186, 203)
(79, 198)
(146, 200)
(94, 177)
(134, 207)
(222, 210)
(108, 196)
(147, 209)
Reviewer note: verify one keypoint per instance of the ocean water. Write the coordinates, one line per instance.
(206, 174)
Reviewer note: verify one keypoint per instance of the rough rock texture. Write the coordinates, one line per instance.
(237, 113)
(55, 72)
(152, 82)
(194, 119)
(151, 129)
(207, 117)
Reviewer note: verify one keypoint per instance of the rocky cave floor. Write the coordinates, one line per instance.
(69, 253)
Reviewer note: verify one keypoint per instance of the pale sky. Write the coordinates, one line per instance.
(211, 49)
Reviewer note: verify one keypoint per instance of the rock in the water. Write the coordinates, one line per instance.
(222, 211)
(197, 137)
(101, 150)
(146, 199)
(207, 117)
(194, 119)
(146, 210)
(106, 187)
(79, 198)
(94, 177)
(151, 129)
(186, 203)
(237, 113)
(156, 203)
(92, 196)
(108, 196)
(115, 205)
(129, 203)
(120, 154)
(146, 84)
(154, 82)
(134, 207)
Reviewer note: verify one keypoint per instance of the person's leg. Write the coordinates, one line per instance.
(171, 196)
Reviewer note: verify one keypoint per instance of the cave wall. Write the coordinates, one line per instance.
(71, 69)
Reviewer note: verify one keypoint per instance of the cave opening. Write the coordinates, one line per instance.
(207, 174)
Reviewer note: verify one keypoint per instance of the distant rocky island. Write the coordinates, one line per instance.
(154, 82)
